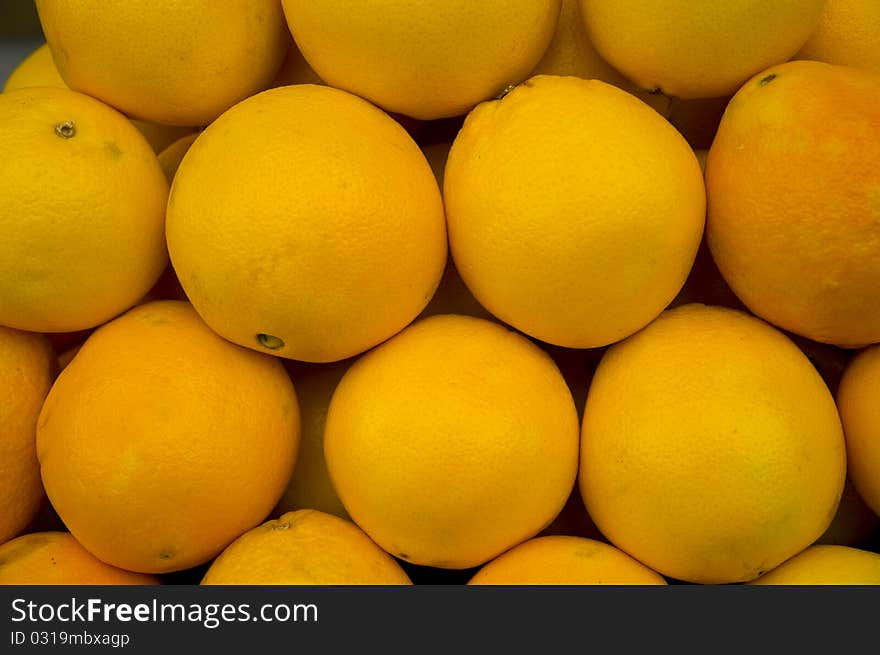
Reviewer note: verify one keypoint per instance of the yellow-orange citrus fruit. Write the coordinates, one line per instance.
(698, 49)
(571, 52)
(452, 442)
(176, 62)
(38, 69)
(27, 368)
(82, 206)
(428, 60)
(574, 210)
(57, 558)
(161, 442)
(563, 560)
(858, 399)
(848, 34)
(826, 565)
(794, 200)
(305, 547)
(711, 448)
(305, 222)
(310, 485)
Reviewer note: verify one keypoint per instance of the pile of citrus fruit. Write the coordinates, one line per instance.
(392, 292)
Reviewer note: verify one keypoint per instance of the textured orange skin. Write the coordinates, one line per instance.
(794, 200)
(56, 558)
(175, 62)
(858, 399)
(452, 441)
(571, 52)
(826, 565)
(711, 449)
(307, 214)
(82, 216)
(847, 35)
(563, 560)
(27, 368)
(574, 210)
(702, 49)
(160, 442)
(38, 69)
(305, 547)
(431, 59)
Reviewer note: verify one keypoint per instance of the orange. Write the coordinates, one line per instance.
(794, 200)
(826, 565)
(82, 206)
(305, 548)
(56, 558)
(38, 69)
(848, 34)
(452, 442)
(711, 449)
(161, 442)
(698, 50)
(574, 210)
(858, 398)
(310, 486)
(562, 560)
(571, 52)
(176, 62)
(431, 59)
(27, 368)
(306, 223)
